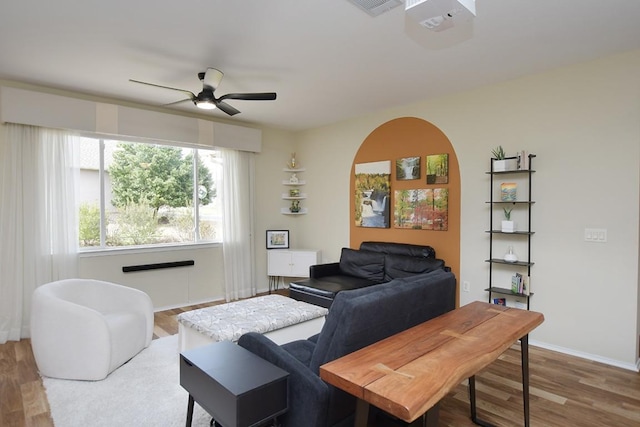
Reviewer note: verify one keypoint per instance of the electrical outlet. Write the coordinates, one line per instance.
(466, 286)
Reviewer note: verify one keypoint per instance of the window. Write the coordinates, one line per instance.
(139, 194)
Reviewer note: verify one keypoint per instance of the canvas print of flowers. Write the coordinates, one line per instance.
(372, 191)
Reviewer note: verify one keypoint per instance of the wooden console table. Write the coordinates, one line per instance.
(407, 374)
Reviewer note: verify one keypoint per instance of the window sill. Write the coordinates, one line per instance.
(90, 252)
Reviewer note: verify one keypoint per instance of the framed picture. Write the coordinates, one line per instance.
(277, 239)
(422, 209)
(408, 168)
(373, 186)
(438, 169)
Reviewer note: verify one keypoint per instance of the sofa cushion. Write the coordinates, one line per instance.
(398, 266)
(329, 286)
(391, 248)
(364, 264)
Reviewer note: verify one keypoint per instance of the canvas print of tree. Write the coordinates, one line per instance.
(372, 191)
(438, 169)
(422, 209)
(439, 202)
(411, 209)
(408, 168)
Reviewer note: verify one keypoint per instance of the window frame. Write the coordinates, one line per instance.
(197, 242)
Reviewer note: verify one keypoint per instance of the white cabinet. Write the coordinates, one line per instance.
(291, 263)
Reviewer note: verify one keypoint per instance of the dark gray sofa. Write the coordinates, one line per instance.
(374, 263)
(356, 319)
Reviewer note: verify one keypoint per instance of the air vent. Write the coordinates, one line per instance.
(376, 7)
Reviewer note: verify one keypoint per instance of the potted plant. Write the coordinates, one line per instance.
(499, 162)
(508, 226)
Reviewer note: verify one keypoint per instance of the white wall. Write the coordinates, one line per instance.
(583, 123)
(167, 288)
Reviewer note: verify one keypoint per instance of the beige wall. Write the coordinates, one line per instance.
(582, 122)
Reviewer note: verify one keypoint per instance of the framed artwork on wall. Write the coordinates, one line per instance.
(438, 169)
(277, 239)
(408, 168)
(421, 209)
(372, 194)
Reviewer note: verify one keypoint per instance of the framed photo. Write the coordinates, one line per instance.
(438, 169)
(373, 187)
(277, 239)
(408, 168)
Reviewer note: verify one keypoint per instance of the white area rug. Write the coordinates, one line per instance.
(144, 392)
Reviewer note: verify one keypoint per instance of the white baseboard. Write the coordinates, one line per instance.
(588, 356)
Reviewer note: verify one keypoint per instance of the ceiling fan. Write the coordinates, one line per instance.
(207, 100)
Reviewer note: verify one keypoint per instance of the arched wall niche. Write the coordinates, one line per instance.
(401, 138)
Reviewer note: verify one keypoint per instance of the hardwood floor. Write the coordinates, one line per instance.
(565, 390)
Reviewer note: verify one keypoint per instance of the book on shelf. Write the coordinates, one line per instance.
(500, 301)
(523, 160)
(526, 285)
(516, 283)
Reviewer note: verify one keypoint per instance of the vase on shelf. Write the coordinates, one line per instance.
(510, 256)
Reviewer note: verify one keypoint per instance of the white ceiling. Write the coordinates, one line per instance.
(327, 60)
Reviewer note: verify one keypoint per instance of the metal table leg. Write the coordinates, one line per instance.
(524, 350)
(190, 411)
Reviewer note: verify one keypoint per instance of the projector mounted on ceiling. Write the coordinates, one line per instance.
(438, 15)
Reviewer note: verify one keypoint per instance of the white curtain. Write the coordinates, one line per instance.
(38, 237)
(237, 220)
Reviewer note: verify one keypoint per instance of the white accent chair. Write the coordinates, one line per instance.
(83, 329)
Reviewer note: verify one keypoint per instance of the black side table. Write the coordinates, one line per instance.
(236, 387)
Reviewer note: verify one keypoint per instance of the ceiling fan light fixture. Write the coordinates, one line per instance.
(205, 105)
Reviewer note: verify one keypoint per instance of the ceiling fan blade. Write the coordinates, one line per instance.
(267, 96)
(164, 87)
(212, 78)
(223, 106)
(178, 102)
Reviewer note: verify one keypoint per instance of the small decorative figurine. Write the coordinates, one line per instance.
(295, 206)
(293, 163)
(293, 179)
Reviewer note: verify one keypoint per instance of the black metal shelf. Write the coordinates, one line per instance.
(526, 204)
(505, 291)
(516, 202)
(522, 233)
(501, 261)
(510, 171)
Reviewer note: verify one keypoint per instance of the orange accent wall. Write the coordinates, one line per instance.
(411, 137)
